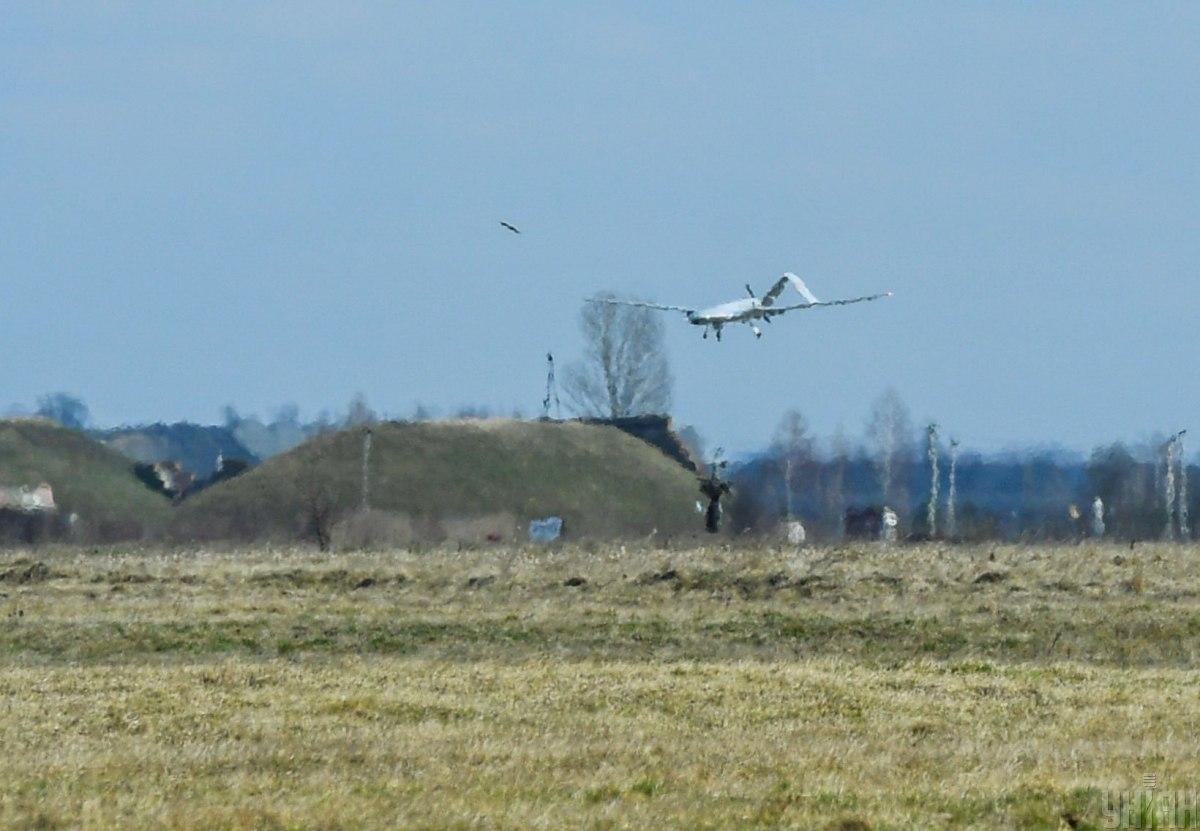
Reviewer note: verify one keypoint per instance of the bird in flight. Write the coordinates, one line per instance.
(512, 228)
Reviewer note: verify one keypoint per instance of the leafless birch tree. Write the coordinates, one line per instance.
(624, 370)
(793, 447)
(889, 431)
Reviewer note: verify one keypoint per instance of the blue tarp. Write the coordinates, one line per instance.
(545, 530)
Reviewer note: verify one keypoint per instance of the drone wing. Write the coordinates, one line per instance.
(639, 303)
(778, 310)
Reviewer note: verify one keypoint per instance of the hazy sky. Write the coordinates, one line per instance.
(261, 203)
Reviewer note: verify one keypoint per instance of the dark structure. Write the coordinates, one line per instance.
(26, 527)
(173, 481)
(195, 447)
(652, 429)
(167, 477)
(863, 523)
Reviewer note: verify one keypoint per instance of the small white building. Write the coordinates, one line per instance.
(28, 500)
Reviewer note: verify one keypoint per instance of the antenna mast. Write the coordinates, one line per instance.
(551, 391)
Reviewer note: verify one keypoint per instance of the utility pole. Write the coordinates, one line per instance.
(932, 452)
(366, 469)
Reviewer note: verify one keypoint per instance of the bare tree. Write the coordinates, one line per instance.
(835, 485)
(359, 413)
(318, 513)
(624, 369)
(1185, 531)
(66, 409)
(1169, 451)
(793, 447)
(317, 497)
(952, 495)
(889, 431)
(931, 453)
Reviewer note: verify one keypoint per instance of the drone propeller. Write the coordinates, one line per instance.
(750, 291)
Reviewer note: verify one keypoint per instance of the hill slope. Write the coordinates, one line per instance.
(88, 479)
(602, 482)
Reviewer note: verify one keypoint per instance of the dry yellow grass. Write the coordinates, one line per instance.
(851, 688)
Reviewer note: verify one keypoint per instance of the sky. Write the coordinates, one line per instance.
(261, 203)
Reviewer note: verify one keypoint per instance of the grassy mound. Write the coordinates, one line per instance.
(453, 479)
(88, 479)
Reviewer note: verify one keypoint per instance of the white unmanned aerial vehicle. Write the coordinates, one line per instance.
(748, 309)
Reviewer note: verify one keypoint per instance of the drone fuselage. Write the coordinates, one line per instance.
(746, 310)
(735, 311)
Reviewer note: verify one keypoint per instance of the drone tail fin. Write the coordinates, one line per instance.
(798, 284)
(782, 283)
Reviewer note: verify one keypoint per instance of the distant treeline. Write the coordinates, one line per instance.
(1035, 494)
(1042, 495)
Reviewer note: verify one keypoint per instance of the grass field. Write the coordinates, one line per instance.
(834, 688)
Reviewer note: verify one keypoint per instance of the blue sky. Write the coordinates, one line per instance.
(264, 203)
